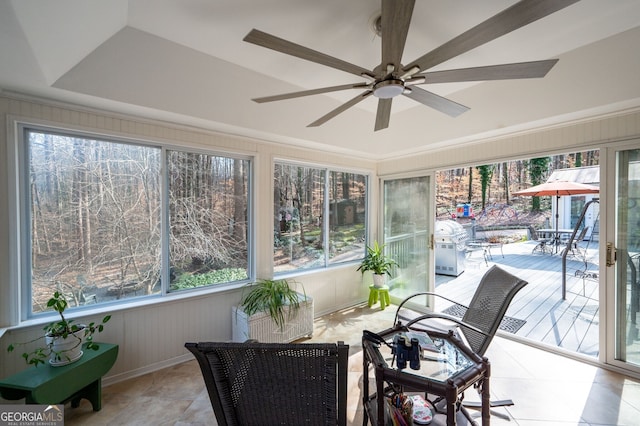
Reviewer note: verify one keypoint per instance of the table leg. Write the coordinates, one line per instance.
(451, 398)
(91, 392)
(365, 385)
(486, 395)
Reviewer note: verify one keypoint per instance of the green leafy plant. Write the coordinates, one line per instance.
(209, 278)
(272, 297)
(376, 261)
(64, 329)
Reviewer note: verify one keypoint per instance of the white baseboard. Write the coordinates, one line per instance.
(110, 380)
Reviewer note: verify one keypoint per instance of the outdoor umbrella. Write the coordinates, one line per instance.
(558, 188)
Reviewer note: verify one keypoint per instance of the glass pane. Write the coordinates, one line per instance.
(95, 219)
(298, 218)
(577, 203)
(347, 202)
(406, 233)
(628, 255)
(207, 219)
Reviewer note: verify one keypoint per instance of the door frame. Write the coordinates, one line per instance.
(430, 175)
(608, 193)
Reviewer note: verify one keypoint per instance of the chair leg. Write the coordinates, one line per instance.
(496, 403)
(539, 247)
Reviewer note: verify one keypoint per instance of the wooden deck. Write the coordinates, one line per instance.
(571, 324)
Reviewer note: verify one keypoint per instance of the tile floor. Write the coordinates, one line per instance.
(547, 389)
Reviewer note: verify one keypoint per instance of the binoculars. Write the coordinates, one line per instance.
(406, 350)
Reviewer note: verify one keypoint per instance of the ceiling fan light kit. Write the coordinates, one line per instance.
(391, 77)
(387, 89)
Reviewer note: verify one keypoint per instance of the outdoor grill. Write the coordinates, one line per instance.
(450, 238)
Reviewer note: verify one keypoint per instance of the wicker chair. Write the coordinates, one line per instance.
(271, 383)
(482, 317)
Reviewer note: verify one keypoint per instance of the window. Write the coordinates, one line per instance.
(99, 214)
(304, 198)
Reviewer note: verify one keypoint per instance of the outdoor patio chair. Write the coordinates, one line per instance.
(275, 383)
(481, 319)
(543, 243)
(574, 247)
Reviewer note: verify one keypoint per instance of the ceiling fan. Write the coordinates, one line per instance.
(393, 78)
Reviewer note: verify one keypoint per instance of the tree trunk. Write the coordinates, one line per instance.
(239, 233)
(506, 182)
(470, 194)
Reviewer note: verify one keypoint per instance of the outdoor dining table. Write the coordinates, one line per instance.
(485, 246)
(558, 235)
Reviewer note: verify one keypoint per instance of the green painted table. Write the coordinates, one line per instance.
(57, 385)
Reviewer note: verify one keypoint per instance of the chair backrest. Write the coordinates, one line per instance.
(581, 236)
(271, 383)
(488, 306)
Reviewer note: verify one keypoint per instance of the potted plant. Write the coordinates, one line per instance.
(378, 263)
(63, 339)
(266, 312)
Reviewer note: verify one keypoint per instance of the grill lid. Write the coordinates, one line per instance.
(451, 231)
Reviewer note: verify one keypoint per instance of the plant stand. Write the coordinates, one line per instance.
(261, 327)
(47, 385)
(379, 294)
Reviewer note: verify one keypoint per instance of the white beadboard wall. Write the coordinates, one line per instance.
(152, 336)
(561, 138)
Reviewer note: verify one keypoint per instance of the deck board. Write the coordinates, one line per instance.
(571, 324)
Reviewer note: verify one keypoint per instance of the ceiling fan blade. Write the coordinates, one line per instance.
(280, 45)
(310, 92)
(437, 102)
(340, 109)
(383, 114)
(534, 69)
(396, 17)
(520, 14)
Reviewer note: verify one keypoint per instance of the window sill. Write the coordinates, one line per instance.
(116, 307)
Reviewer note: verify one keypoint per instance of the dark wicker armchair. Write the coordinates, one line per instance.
(271, 383)
(482, 317)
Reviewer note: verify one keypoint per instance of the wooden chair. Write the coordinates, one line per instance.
(272, 383)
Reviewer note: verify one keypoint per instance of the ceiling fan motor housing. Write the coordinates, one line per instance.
(391, 78)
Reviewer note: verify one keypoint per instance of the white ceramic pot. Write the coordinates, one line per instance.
(378, 280)
(65, 351)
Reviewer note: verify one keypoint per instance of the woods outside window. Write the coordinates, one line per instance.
(319, 217)
(107, 220)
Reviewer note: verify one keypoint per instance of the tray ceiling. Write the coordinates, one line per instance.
(185, 61)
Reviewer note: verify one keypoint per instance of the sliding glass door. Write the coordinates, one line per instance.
(624, 253)
(407, 233)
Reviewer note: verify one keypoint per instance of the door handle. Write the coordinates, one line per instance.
(611, 254)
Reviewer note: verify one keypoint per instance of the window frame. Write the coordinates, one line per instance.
(326, 169)
(20, 217)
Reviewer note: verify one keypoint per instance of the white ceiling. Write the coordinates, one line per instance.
(185, 61)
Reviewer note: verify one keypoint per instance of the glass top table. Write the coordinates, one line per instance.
(446, 369)
(441, 361)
